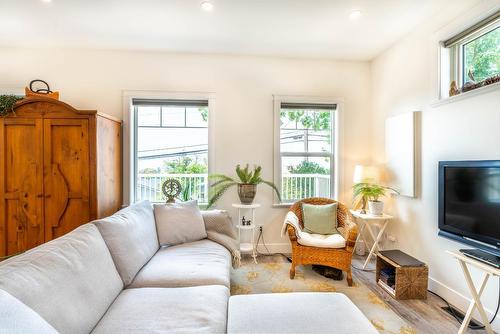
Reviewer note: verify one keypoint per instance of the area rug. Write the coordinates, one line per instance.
(273, 277)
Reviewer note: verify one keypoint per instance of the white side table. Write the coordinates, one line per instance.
(368, 221)
(476, 293)
(247, 247)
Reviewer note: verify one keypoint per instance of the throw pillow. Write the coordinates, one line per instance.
(178, 223)
(320, 219)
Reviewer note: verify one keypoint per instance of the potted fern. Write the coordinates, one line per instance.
(247, 185)
(368, 192)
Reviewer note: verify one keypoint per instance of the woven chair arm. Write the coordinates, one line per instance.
(292, 233)
(350, 232)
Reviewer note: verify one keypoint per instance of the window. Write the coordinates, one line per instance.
(171, 141)
(474, 56)
(305, 149)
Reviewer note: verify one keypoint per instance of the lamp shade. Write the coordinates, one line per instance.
(366, 174)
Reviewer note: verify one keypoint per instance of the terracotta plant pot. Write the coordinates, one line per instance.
(247, 192)
(376, 208)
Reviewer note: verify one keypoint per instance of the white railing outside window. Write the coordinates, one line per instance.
(295, 186)
(195, 186)
(298, 186)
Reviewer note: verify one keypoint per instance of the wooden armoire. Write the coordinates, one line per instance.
(59, 168)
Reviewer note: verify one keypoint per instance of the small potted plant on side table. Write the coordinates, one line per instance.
(369, 192)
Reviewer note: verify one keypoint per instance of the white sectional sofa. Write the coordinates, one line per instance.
(112, 276)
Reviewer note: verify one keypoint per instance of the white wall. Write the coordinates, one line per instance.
(404, 79)
(243, 88)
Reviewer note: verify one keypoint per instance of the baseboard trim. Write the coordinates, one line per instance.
(460, 301)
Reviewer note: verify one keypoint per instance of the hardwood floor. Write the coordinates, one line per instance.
(426, 316)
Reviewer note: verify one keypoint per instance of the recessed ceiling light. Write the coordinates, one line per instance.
(207, 6)
(355, 14)
(47, 1)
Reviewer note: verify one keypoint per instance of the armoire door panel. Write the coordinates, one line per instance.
(21, 185)
(66, 175)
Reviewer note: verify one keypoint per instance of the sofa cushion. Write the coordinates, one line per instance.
(302, 312)
(201, 262)
(70, 281)
(130, 235)
(17, 318)
(179, 223)
(156, 310)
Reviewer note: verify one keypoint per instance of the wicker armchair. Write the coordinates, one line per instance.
(339, 258)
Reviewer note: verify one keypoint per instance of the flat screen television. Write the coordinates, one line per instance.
(469, 203)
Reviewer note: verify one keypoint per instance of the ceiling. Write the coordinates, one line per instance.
(291, 28)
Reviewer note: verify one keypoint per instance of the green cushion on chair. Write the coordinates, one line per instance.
(320, 219)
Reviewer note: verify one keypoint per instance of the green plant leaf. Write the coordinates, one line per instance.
(185, 195)
(220, 177)
(256, 176)
(369, 191)
(246, 174)
(217, 193)
(7, 103)
(240, 173)
(220, 182)
(272, 185)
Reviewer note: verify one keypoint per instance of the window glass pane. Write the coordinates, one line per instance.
(172, 151)
(305, 130)
(303, 177)
(148, 116)
(292, 141)
(482, 57)
(319, 141)
(172, 116)
(197, 116)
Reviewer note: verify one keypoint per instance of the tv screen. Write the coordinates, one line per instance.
(469, 193)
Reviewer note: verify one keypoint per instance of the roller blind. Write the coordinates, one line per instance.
(326, 106)
(472, 29)
(164, 102)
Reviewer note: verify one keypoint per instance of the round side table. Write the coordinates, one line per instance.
(247, 247)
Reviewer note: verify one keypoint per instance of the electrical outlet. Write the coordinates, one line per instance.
(260, 228)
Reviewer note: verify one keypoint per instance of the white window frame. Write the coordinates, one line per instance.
(335, 154)
(451, 53)
(457, 51)
(129, 132)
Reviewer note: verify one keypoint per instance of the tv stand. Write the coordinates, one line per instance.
(489, 271)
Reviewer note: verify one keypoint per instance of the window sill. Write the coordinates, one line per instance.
(282, 205)
(478, 91)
